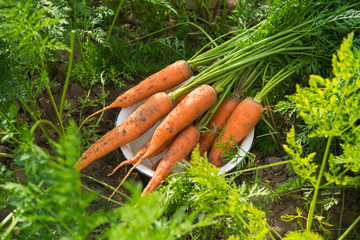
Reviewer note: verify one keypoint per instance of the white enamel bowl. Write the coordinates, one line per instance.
(131, 148)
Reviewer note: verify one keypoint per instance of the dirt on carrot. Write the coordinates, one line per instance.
(154, 109)
(165, 79)
(244, 118)
(190, 108)
(216, 123)
(181, 147)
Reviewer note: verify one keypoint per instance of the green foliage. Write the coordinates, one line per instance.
(147, 220)
(87, 20)
(218, 197)
(306, 235)
(30, 33)
(329, 107)
(150, 15)
(41, 206)
(49, 201)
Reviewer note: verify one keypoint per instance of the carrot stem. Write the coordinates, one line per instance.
(274, 81)
(114, 20)
(317, 186)
(350, 228)
(44, 121)
(176, 25)
(72, 42)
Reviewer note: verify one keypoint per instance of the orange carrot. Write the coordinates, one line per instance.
(165, 79)
(141, 152)
(182, 146)
(216, 123)
(190, 108)
(244, 118)
(179, 99)
(154, 109)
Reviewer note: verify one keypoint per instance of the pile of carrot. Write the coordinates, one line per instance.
(181, 120)
(210, 101)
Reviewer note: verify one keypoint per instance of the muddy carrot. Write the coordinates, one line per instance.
(144, 148)
(179, 99)
(165, 79)
(182, 146)
(154, 109)
(244, 118)
(190, 108)
(216, 123)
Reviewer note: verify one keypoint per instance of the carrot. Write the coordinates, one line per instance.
(190, 108)
(216, 123)
(245, 117)
(144, 148)
(165, 79)
(141, 152)
(183, 115)
(155, 108)
(182, 146)
(179, 99)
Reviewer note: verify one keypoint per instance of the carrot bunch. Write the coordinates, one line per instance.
(199, 104)
(211, 100)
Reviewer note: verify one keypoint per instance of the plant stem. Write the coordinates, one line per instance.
(52, 100)
(259, 168)
(317, 186)
(276, 233)
(224, 46)
(6, 219)
(342, 211)
(102, 196)
(8, 230)
(113, 21)
(6, 155)
(72, 43)
(176, 25)
(275, 80)
(105, 185)
(349, 228)
(42, 121)
(43, 128)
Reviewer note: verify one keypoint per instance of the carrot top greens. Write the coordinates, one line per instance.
(331, 108)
